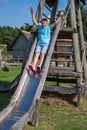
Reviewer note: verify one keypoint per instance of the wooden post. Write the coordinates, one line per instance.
(36, 113)
(54, 11)
(76, 49)
(75, 38)
(81, 39)
(53, 14)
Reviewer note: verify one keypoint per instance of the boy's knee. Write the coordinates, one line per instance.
(42, 55)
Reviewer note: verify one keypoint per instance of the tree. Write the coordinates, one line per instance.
(26, 27)
(84, 20)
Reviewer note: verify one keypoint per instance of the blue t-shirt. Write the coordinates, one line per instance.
(44, 35)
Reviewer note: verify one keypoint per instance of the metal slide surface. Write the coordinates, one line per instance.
(29, 89)
(25, 102)
(22, 98)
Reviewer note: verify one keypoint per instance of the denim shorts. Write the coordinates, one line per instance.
(42, 48)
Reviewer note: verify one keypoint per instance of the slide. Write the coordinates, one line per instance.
(22, 104)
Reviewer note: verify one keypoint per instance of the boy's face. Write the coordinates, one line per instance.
(44, 23)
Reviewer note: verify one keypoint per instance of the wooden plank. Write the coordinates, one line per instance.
(62, 60)
(62, 68)
(50, 3)
(67, 30)
(61, 80)
(81, 40)
(54, 9)
(68, 89)
(65, 40)
(48, 8)
(83, 1)
(75, 38)
(36, 114)
(62, 52)
(63, 44)
(57, 72)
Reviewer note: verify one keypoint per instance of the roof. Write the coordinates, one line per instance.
(25, 33)
(50, 3)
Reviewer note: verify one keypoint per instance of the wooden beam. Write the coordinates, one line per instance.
(75, 38)
(36, 114)
(83, 1)
(60, 89)
(57, 72)
(81, 40)
(53, 14)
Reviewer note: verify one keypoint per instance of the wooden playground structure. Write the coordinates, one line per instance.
(65, 63)
(68, 58)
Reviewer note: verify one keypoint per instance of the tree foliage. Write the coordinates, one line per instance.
(8, 34)
(84, 20)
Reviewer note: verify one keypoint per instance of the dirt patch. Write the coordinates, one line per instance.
(59, 99)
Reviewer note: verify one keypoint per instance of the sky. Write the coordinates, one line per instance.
(15, 13)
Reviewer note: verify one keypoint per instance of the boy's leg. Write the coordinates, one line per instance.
(36, 57)
(33, 65)
(35, 60)
(41, 59)
(44, 49)
(40, 62)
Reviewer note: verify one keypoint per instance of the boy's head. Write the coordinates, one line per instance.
(44, 22)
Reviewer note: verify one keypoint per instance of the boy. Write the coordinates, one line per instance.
(43, 41)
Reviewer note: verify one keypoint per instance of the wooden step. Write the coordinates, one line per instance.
(63, 45)
(62, 52)
(54, 71)
(62, 60)
(68, 89)
(65, 40)
(68, 30)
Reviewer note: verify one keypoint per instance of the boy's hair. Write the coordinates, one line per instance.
(44, 19)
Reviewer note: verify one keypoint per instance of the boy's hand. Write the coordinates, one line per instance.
(62, 14)
(31, 10)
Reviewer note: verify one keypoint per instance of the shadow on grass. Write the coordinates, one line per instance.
(5, 98)
(4, 82)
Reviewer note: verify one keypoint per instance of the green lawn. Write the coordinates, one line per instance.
(7, 77)
(57, 112)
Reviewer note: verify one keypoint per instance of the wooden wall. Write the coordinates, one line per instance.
(20, 48)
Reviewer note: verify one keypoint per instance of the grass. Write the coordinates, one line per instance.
(7, 77)
(57, 112)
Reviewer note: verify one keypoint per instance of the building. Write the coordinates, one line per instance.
(20, 45)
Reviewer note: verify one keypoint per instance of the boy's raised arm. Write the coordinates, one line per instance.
(56, 22)
(33, 16)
